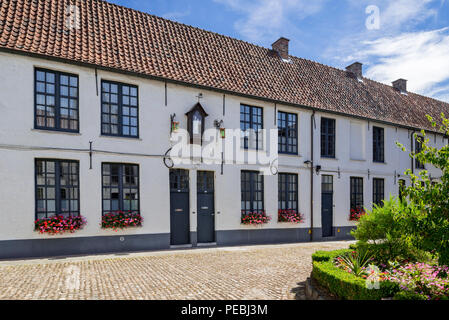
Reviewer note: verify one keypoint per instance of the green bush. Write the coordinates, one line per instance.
(344, 284)
(386, 232)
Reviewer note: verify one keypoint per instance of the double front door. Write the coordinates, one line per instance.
(180, 207)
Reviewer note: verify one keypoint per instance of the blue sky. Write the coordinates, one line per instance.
(392, 38)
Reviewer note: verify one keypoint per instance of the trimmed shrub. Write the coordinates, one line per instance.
(405, 295)
(343, 284)
(329, 255)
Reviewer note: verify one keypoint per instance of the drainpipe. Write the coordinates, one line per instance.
(312, 123)
(411, 146)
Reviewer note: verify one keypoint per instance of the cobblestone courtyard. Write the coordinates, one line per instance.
(255, 272)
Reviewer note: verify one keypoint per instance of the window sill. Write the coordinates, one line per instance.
(56, 132)
(329, 158)
(377, 162)
(120, 137)
(293, 155)
(253, 150)
(358, 160)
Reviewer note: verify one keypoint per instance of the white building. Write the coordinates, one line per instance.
(86, 101)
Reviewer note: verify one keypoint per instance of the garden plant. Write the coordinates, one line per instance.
(405, 241)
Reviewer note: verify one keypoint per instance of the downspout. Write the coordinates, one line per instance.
(312, 123)
(411, 146)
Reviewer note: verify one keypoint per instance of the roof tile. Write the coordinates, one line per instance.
(124, 39)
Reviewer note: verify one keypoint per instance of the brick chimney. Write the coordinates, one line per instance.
(356, 69)
(400, 85)
(281, 47)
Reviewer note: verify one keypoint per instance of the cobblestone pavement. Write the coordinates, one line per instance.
(234, 273)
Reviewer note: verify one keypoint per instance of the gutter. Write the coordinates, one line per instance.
(203, 87)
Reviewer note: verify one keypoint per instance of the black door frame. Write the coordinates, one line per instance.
(209, 192)
(183, 188)
(331, 194)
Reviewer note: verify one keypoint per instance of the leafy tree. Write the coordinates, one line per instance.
(430, 223)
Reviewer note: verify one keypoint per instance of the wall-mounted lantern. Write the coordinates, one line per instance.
(174, 125)
(219, 125)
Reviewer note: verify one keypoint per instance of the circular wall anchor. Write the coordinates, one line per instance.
(274, 167)
(168, 161)
(122, 239)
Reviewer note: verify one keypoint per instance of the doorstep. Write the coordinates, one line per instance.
(207, 244)
(181, 246)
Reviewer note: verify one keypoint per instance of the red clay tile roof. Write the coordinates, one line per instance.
(112, 36)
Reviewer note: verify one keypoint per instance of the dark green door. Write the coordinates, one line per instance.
(327, 206)
(206, 207)
(179, 207)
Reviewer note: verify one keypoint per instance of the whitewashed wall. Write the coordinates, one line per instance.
(17, 190)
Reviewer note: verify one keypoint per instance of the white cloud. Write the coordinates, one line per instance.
(265, 20)
(401, 13)
(397, 50)
(420, 57)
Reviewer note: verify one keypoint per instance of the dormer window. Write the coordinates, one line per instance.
(195, 119)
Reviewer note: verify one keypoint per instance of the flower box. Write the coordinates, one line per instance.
(290, 216)
(255, 218)
(121, 220)
(59, 224)
(356, 214)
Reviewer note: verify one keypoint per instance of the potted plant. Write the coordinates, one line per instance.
(121, 220)
(59, 224)
(290, 215)
(255, 218)
(356, 213)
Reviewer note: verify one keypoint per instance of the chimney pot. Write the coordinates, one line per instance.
(356, 69)
(281, 47)
(400, 85)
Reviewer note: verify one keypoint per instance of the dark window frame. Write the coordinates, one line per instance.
(253, 190)
(290, 133)
(356, 192)
(378, 191)
(57, 101)
(120, 115)
(205, 182)
(179, 180)
(328, 137)
(57, 187)
(285, 186)
(250, 124)
(418, 148)
(378, 145)
(120, 187)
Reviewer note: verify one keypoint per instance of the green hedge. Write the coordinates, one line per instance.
(329, 255)
(343, 284)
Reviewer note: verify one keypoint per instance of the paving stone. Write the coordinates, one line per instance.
(258, 272)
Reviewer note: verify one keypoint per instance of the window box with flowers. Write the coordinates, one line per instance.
(255, 218)
(59, 224)
(356, 214)
(290, 215)
(121, 220)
